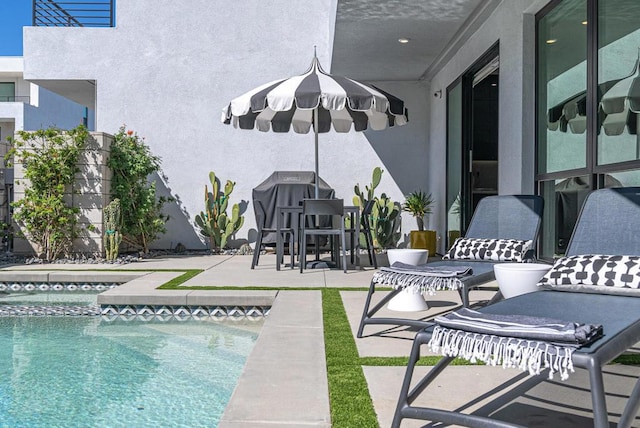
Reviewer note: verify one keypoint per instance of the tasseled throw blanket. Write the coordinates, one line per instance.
(528, 343)
(422, 278)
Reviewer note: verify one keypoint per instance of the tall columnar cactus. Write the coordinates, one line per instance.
(385, 214)
(214, 223)
(112, 236)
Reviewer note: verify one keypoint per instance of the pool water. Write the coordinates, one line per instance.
(88, 372)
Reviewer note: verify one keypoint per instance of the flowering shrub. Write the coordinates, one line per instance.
(132, 163)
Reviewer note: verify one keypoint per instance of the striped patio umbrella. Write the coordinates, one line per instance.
(315, 98)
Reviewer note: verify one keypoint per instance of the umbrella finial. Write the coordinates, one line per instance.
(314, 51)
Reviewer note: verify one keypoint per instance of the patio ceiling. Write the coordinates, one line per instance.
(366, 42)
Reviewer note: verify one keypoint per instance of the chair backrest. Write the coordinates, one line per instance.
(507, 217)
(609, 223)
(323, 207)
(366, 213)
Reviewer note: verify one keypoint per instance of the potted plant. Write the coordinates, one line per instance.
(420, 204)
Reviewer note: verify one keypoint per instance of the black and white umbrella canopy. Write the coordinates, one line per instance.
(339, 101)
(315, 99)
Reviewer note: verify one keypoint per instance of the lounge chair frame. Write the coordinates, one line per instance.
(609, 223)
(495, 217)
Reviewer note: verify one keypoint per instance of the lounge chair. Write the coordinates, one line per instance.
(609, 224)
(513, 217)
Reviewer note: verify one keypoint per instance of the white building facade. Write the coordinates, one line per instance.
(166, 69)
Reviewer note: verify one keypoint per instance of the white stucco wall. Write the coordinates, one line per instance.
(52, 110)
(166, 71)
(512, 24)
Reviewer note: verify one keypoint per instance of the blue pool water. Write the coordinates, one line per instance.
(88, 372)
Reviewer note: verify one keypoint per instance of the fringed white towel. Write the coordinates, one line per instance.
(528, 343)
(422, 278)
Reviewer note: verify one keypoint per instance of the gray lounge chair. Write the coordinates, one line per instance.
(495, 217)
(609, 223)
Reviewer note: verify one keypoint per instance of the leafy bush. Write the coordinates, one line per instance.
(131, 163)
(50, 160)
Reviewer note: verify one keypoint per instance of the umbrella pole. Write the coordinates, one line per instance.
(315, 129)
(317, 186)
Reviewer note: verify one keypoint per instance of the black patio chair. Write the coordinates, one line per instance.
(315, 213)
(262, 231)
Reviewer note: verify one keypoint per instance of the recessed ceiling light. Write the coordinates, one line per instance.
(551, 41)
(584, 22)
(404, 40)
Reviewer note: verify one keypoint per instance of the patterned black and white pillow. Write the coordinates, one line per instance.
(595, 273)
(504, 250)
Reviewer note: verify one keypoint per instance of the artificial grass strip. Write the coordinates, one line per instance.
(175, 282)
(429, 360)
(351, 404)
(628, 360)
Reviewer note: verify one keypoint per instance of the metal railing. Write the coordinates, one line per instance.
(73, 13)
(14, 99)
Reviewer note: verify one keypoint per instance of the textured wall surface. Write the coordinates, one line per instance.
(166, 71)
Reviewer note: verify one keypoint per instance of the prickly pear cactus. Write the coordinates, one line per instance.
(112, 236)
(385, 214)
(213, 222)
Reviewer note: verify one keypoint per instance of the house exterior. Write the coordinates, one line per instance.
(25, 106)
(504, 97)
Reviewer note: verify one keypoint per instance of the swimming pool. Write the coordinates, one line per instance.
(85, 371)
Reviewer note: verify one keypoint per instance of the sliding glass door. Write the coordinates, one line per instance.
(587, 61)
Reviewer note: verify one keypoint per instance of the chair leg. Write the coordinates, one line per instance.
(344, 250)
(370, 249)
(302, 258)
(292, 250)
(256, 252)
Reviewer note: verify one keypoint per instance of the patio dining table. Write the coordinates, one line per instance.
(294, 213)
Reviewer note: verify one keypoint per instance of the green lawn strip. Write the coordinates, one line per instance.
(430, 360)
(351, 405)
(175, 282)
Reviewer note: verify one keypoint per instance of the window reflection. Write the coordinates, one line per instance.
(563, 200)
(562, 74)
(619, 81)
(622, 179)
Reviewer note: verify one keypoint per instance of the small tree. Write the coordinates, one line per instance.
(50, 161)
(131, 163)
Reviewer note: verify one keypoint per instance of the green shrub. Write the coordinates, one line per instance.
(132, 163)
(50, 160)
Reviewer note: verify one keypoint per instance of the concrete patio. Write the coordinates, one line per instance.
(284, 382)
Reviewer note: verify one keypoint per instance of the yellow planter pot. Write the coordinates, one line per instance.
(425, 239)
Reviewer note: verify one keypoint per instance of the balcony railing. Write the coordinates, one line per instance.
(73, 13)
(14, 99)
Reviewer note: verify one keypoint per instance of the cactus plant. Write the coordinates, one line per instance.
(385, 214)
(112, 236)
(214, 223)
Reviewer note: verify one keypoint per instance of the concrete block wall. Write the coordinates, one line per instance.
(90, 193)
